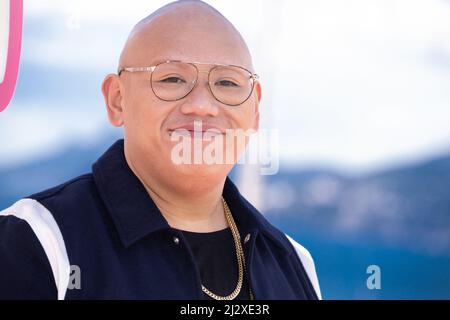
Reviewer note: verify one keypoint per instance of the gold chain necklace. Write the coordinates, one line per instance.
(240, 259)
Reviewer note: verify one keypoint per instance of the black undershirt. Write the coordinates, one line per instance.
(215, 254)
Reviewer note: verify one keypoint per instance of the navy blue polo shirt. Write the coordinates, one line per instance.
(101, 236)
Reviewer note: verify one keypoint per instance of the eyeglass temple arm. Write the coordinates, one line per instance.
(137, 69)
(254, 76)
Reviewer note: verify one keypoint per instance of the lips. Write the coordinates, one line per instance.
(196, 130)
(11, 20)
(198, 127)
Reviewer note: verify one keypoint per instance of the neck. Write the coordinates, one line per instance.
(203, 213)
(194, 211)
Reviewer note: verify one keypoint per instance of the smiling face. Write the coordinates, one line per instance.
(190, 32)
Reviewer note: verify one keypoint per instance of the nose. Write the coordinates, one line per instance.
(200, 102)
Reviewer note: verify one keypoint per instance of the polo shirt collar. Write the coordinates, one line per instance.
(133, 211)
(135, 215)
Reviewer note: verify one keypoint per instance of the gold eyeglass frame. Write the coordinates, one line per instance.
(253, 76)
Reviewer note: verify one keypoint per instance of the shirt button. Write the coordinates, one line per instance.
(176, 240)
(247, 238)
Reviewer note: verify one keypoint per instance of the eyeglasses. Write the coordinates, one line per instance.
(173, 80)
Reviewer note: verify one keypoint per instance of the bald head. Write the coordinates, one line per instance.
(188, 30)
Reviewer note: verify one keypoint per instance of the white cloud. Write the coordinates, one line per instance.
(363, 92)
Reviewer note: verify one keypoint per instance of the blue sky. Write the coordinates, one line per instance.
(356, 85)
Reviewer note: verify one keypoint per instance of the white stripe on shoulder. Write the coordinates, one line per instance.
(308, 263)
(47, 231)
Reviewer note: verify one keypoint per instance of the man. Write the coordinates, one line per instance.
(141, 225)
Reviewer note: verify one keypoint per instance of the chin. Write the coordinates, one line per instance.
(200, 177)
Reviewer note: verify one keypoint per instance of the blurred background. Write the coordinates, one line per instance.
(358, 91)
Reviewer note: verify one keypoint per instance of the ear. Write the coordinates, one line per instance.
(258, 92)
(113, 99)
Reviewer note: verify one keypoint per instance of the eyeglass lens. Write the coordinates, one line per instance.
(230, 85)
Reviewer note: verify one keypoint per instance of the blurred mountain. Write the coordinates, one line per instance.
(398, 219)
(74, 160)
(406, 207)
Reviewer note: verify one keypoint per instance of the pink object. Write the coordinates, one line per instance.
(13, 53)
